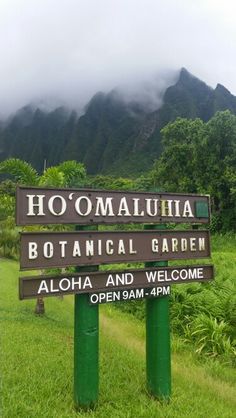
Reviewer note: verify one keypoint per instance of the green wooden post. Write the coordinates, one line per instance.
(158, 360)
(86, 350)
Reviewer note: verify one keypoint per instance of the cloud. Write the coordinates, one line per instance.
(69, 49)
(148, 92)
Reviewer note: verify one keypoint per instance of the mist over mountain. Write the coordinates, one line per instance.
(118, 132)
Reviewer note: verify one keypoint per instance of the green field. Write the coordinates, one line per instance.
(37, 361)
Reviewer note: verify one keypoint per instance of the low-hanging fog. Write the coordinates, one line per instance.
(63, 52)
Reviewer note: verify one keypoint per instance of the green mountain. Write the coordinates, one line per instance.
(112, 136)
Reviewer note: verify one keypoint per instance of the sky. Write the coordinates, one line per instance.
(66, 50)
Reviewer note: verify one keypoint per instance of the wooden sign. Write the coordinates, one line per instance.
(83, 206)
(61, 249)
(110, 281)
(42, 250)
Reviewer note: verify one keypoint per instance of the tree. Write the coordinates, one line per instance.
(74, 173)
(201, 157)
(21, 171)
(217, 155)
(175, 171)
(52, 177)
(67, 174)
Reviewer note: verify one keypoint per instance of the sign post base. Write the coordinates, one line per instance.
(86, 347)
(86, 337)
(158, 359)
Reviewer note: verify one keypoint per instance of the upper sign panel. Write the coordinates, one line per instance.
(83, 206)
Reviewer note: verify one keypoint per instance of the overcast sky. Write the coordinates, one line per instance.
(69, 49)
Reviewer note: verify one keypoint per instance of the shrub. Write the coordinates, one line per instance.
(210, 336)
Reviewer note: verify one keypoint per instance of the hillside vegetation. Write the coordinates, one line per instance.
(113, 135)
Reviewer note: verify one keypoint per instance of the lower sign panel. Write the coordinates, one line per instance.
(109, 281)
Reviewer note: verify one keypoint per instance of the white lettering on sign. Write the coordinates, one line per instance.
(177, 209)
(184, 244)
(88, 206)
(123, 208)
(119, 279)
(155, 245)
(104, 208)
(193, 244)
(63, 248)
(156, 276)
(146, 279)
(121, 247)
(176, 244)
(76, 249)
(64, 285)
(152, 209)
(35, 201)
(92, 247)
(166, 207)
(136, 208)
(62, 204)
(159, 276)
(131, 247)
(187, 212)
(89, 248)
(109, 247)
(130, 294)
(57, 205)
(33, 253)
(99, 246)
(48, 250)
(165, 248)
(202, 244)
(164, 290)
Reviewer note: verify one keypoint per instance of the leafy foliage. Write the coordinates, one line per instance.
(201, 157)
(9, 238)
(210, 336)
(74, 173)
(67, 174)
(52, 177)
(110, 183)
(20, 170)
(204, 314)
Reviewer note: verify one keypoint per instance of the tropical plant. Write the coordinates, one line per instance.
(21, 171)
(74, 173)
(210, 336)
(52, 177)
(67, 174)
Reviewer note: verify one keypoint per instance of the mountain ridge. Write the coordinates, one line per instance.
(112, 136)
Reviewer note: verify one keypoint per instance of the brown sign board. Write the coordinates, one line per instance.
(42, 250)
(84, 206)
(104, 281)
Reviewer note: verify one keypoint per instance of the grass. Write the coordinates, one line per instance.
(37, 365)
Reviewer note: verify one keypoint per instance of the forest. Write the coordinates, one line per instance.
(197, 157)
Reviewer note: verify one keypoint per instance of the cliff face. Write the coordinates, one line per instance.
(112, 136)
